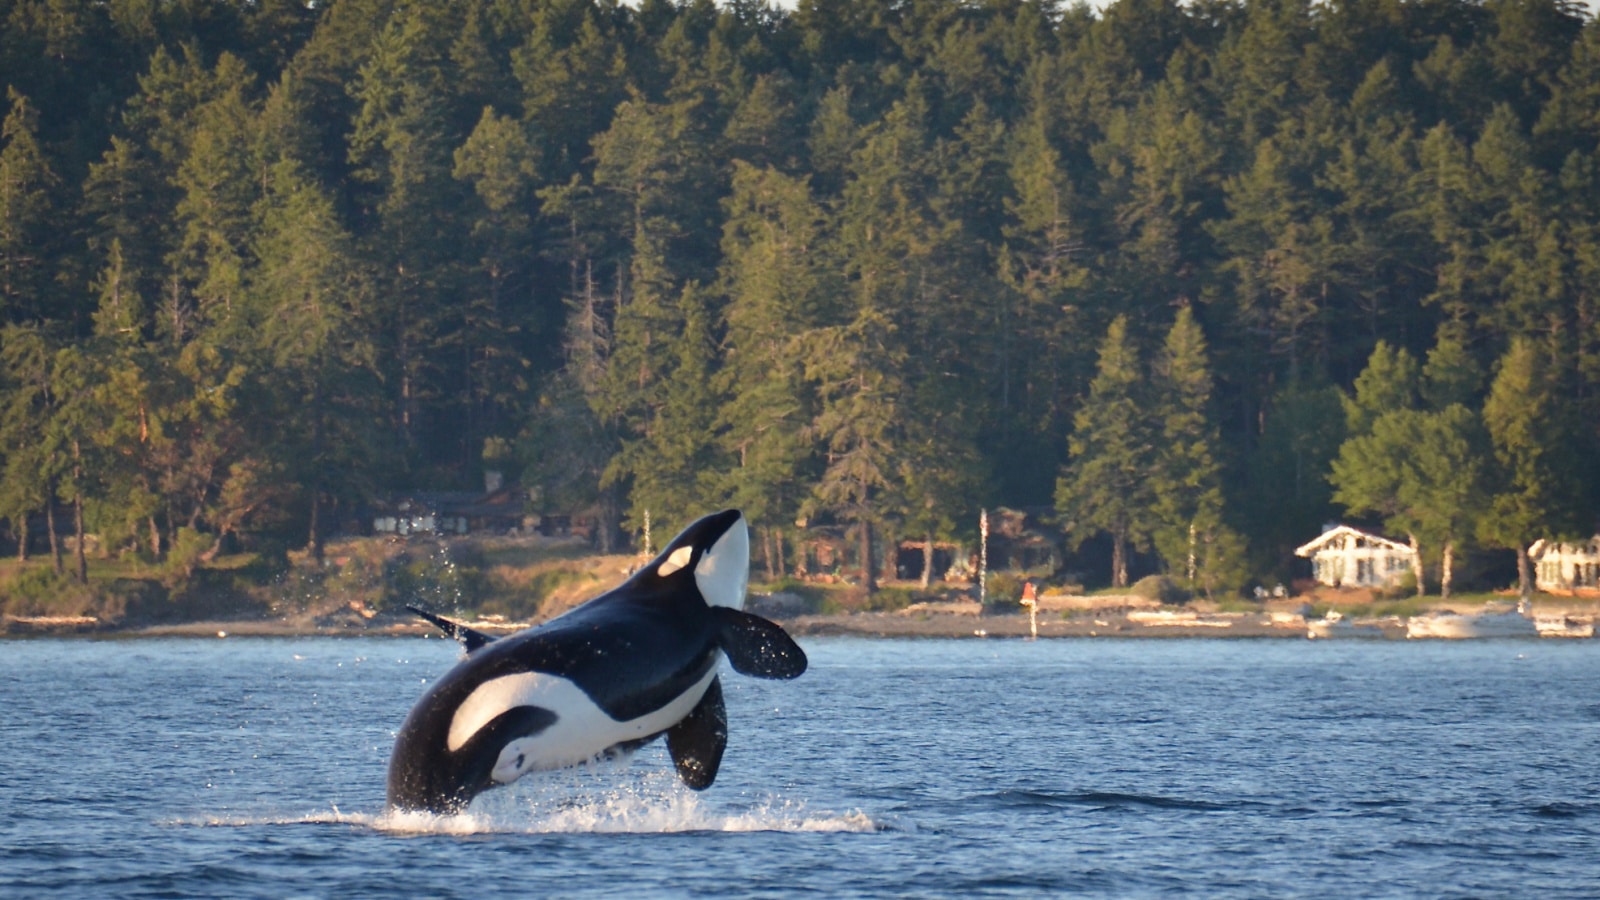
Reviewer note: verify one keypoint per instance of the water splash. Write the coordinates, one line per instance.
(650, 805)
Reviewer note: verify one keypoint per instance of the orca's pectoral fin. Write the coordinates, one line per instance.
(697, 741)
(757, 647)
(470, 638)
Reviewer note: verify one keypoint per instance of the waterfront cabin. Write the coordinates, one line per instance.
(1560, 568)
(497, 511)
(1349, 557)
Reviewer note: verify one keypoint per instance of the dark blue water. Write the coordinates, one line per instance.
(255, 768)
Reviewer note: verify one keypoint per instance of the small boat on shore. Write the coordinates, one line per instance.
(1499, 622)
(1564, 627)
(1335, 625)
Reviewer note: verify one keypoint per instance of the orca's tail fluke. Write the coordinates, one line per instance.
(470, 638)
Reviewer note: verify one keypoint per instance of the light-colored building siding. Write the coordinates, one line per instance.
(1349, 557)
(1566, 568)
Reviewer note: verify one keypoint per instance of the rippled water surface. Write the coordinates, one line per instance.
(255, 767)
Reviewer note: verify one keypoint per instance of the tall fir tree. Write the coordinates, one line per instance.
(1539, 486)
(1106, 484)
(1193, 536)
(27, 189)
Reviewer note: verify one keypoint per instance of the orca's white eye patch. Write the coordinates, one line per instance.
(679, 558)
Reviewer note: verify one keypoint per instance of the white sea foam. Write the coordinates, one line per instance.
(557, 806)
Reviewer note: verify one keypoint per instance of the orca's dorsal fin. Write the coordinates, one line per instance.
(470, 638)
(757, 647)
(697, 741)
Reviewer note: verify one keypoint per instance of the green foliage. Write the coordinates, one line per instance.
(436, 581)
(1003, 590)
(1161, 589)
(1106, 485)
(184, 556)
(856, 600)
(39, 590)
(839, 263)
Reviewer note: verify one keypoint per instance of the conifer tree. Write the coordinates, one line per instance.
(1420, 465)
(1186, 480)
(400, 149)
(573, 71)
(854, 368)
(1539, 486)
(1106, 484)
(671, 462)
(1284, 491)
(218, 186)
(499, 161)
(311, 313)
(778, 285)
(26, 486)
(27, 183)
(1368, 476)
(1444, 479)
(129, 499)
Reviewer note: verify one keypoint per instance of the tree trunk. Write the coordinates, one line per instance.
(869, 581)
(314, 546)
(777, 540)
(155, 538)
(77, 514)
(50, 526)
(22, 538)
(1446, 569)
(605, 520)
(1119, 560)
(77, 530)
(927, 563)
(1524, 576)
(1416, 566)
(216, 548)
(766, 553)
(1191, 570)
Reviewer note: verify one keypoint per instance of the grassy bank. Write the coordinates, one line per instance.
(366, 582)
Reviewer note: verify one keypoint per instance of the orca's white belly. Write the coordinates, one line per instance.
(581, 732)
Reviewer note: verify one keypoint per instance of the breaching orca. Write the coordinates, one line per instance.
(609, 676)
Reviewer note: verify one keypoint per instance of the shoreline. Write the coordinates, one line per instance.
(866, 624)
(962, 620)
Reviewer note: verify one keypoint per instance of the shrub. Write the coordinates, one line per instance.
(1003, 591)
(38, 590)
(1405, 586)
(1161, 589)
(437, 581)
(184, 556)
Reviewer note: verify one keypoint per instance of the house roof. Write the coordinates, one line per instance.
(1539, 548)
(1332, 534)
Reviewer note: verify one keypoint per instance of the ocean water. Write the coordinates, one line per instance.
(255, 768)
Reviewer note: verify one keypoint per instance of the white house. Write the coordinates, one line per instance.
(1349, 557)
(1566, 568)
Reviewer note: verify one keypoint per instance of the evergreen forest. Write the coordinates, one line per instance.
(1187, 281)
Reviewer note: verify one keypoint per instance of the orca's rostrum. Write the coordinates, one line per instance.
(611, 675)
